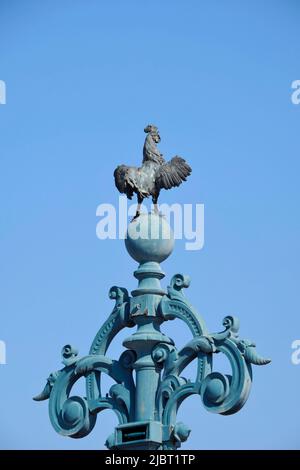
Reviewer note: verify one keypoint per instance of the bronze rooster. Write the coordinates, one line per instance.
(154, 174)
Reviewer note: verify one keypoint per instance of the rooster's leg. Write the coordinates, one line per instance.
(154, 201)
(138, 209)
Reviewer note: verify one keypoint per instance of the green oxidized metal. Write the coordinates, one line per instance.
(149, 386)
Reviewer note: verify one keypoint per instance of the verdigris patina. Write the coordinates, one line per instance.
(149, 382)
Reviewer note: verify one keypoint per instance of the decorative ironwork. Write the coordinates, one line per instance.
(149, 386)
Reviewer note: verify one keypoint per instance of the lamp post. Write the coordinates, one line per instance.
(149, 386)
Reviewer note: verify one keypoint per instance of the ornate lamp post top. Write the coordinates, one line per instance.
(147, 406)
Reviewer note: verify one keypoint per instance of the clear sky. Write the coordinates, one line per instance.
(83, 79)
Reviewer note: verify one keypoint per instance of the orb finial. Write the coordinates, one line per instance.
(149, 238)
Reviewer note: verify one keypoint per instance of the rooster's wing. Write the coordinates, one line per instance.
(172, 173)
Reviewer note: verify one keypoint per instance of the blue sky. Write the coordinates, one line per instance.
(83, 79)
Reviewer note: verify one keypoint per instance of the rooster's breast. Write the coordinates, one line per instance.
(147, 176)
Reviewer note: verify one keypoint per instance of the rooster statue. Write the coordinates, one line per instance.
(154, 174)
